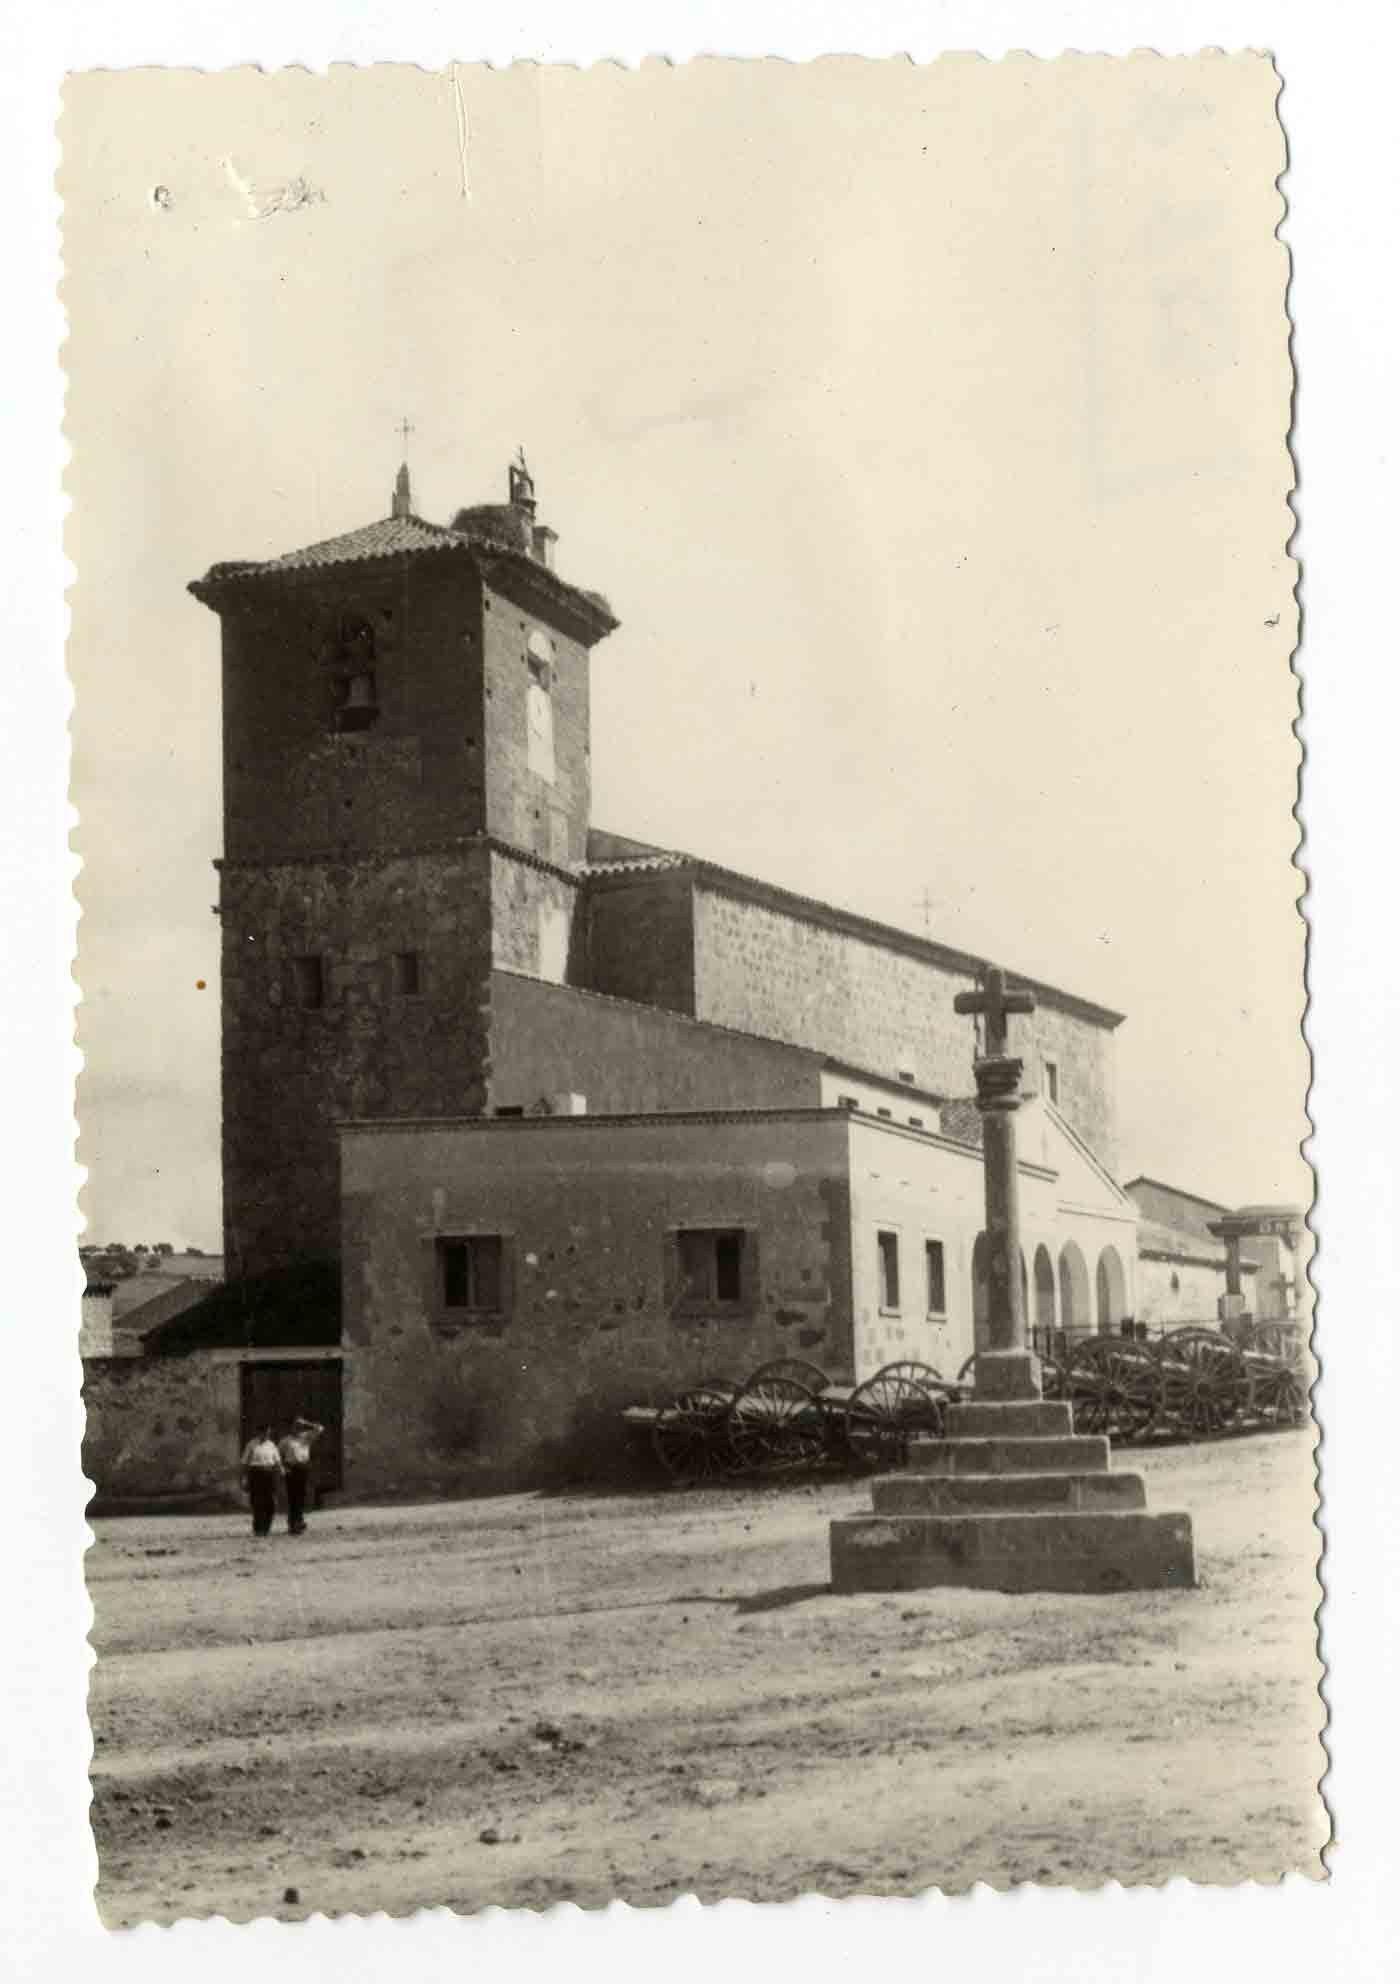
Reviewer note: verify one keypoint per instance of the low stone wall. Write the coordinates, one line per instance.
(163, 1426)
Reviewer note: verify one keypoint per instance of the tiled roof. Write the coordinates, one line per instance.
(391, 537)
(408, 537)
(642, 864)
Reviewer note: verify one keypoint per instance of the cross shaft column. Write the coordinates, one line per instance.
(1006, 1368)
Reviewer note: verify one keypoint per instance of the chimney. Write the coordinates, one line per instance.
(403, 495)
(543, 541)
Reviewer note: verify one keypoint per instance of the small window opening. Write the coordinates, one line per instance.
(309, 979)
(905, 1075)
(514, 1109)
(1052, 1079)
(407, 975)
(888, 1114)
(712, 1265)
(937, 1292)
(916, 1122)
(471, 1273)
(847, 1102)
(888, 1245)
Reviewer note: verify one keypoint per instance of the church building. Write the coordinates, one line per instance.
(524, 1120)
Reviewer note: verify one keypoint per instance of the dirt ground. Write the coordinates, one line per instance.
(536, 1699)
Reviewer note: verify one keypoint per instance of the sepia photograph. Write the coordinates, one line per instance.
(695, 1237)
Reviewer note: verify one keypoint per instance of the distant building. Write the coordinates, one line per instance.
(1182, 1260)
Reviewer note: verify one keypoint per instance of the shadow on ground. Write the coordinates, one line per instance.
(758, 1601)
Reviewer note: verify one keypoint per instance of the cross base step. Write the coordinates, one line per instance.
(996, 1494)
(1074, 1454)
(1049, 1550)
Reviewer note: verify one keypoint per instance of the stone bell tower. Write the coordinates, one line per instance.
(406, 766)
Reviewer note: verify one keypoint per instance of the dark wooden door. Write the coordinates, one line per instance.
(276, 1394)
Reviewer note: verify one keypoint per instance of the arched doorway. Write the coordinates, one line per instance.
(1074, 1289)
(1043, 1317)
(1110, 1289)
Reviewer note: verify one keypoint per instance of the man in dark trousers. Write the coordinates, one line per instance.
(294, 1452)
(262, 1466)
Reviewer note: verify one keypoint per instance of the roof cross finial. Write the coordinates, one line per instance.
(403, 494)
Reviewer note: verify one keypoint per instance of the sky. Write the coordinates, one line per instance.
(926, 428)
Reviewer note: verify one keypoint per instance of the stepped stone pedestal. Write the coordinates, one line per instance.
(1012, 1500)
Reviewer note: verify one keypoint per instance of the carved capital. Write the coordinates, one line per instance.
(998, 1081)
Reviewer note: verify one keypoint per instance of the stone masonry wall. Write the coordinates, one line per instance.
(293, 784)
(534, 927)
(1180, 1210)
(641, 939)
(768, 971)
(1179, 1291)
(160, 1426)
(587, 1210)
(290, 1073)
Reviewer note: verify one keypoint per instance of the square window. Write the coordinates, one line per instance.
(309, 981)
(888, 1246)
(406, 975)
(937, 1289)
(470, 1274)
(712, 1263)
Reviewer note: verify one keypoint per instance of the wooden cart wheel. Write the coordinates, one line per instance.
(774, 1424)
(1280, 1373)
(913, 1367)
(888, 1411)
(1206, 1385)
(688, 1435)
(798, 1368)
(1114, 1386)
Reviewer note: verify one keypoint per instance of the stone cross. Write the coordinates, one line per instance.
(995, 1004)
(1006, 1369)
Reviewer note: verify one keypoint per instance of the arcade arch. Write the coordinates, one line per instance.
(1074, 1289)
(1110, 1289)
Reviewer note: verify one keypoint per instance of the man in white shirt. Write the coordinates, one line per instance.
(294, 1455)
(262, 1468)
